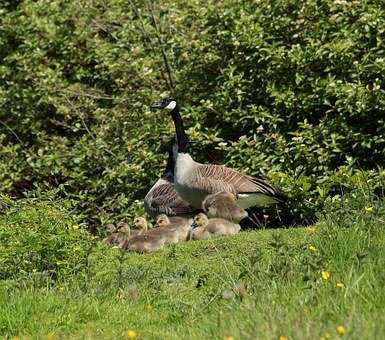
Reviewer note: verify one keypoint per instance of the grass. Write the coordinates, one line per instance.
(258, 284)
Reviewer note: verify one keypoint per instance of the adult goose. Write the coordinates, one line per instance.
(193, 181)
(162, 197)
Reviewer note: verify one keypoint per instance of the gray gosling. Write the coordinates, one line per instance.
(169, 234)
(179, 225)
(205, 228)
(117, 235)
(149, 240)
(145, 243)
(224, 205)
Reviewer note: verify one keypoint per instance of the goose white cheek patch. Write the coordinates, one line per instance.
(171, 105)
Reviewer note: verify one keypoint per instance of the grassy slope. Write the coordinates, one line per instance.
(259, 284)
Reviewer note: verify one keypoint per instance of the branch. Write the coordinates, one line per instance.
(160, 41)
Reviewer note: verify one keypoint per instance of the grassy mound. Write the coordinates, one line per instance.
(319, 281)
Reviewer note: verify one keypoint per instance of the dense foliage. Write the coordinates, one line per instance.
(292, 90)
(41, 238)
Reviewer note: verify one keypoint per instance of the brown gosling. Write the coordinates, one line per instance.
(141, 226)
(180, 225)
(224, 205)
(206, 228)
(145, 243)
(149, 240)
(117, 236)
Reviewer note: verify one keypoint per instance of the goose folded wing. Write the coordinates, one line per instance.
(165, 200)
(215, 178)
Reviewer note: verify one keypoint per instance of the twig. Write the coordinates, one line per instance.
(165, 59)
(150, 41)
(13, 132)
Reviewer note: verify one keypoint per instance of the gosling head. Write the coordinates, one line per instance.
(200, 220)
(167, 103)
(140, 223)
(162, 221)
(110, 228)
(123, 228)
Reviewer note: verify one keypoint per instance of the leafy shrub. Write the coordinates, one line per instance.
(289, 90)
(41, 237)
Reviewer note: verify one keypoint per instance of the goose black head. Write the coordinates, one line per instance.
(167, 103)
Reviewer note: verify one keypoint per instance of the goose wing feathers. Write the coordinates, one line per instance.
(215, 178)
(165, 200)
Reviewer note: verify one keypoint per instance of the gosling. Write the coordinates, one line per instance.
(117, 235)
(205, 228)
(149, 240)
(145, 243)
(224, 205)
(179, 225)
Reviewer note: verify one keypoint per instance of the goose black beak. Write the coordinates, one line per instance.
(157, 105)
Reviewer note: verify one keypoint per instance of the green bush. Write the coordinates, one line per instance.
(41, 238)
(286, 89)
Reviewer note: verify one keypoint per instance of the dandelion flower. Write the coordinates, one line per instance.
(131, 334)
(341, 330)
(228, 337)
(312, 248)
(50, 337)
(311, 229)
(325, 275)
(282, 337)
(369, 209)
(340, 285)
(325, 337)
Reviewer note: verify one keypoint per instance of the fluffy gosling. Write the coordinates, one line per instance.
(224, 205)
(181, 226)
(117, 235)
(205, 228)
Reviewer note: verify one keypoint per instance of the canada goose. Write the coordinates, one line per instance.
(224, 205)
(117, 235)
(205, 228)
(144, 243)
(162, 197)
(141, 225)
(179, 225)
(147, 241)
(193, 181)
(170, 235)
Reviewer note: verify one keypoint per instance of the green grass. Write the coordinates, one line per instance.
(257, 284)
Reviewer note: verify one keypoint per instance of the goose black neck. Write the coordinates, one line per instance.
(181, 136)
(168, 173)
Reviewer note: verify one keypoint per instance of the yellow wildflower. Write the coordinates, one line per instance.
(325, 275)
(50, 337)
(312, 229)
(341, 330)
(340, 285)
(325, 337)
(312, 248)
(131, 334)
(228, 337)
(15, 338)
(282, 337)
(369, 209)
